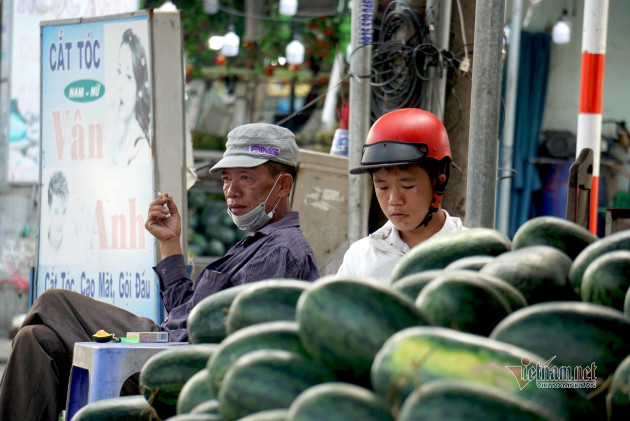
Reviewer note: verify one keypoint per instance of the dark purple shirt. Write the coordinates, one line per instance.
(277, 250)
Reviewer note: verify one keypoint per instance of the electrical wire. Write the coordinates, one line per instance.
(403, 60)
(236, 12)
(461, 24)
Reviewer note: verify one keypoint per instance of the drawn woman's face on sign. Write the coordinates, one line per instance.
(126, 84)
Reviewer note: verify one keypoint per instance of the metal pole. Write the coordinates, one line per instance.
(439, 12)
(510, 115)
(484, 114)
(359, 115)
(589, 130)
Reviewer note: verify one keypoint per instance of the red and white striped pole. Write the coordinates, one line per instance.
(589, 130)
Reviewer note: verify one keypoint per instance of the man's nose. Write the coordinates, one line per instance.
(232, 189)
(396, 197)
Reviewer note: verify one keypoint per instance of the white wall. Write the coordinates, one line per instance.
(563, 93)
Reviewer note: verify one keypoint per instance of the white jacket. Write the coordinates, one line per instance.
(376, 255)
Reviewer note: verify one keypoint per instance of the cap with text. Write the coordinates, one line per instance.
(254, 144)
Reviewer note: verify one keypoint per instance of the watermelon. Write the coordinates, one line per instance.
(194, 392)
(607, 279)
(265, 301)
(470, 263)
(566, 236)
(210, 406)
(268, 415)
(128, 408)
(411, 285)
(617, 241)
(206, 321)
(618, 396)
(469, 305)
(343, 322)
(439, 251)
(267, 379)
(195, 417)
(539, 272)
(271, 335)
(626, 304)
(459, 400)
(576, 333)
(513, 296)
(338, 401)
(163, 376)
(419, 355)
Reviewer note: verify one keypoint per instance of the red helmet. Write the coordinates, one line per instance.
(404, 136)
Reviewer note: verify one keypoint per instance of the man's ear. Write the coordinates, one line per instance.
(285, 185)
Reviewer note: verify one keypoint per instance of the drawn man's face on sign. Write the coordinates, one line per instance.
(57, 217)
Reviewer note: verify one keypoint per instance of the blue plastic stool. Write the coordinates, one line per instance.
(100, 369)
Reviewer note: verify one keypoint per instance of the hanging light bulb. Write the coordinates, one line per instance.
(231, 42)
(561, 33)
(210, 7)
(168, 6)
(288, 7)
(215, 42)
(295, 52)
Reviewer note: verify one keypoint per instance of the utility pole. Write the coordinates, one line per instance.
(484, 116)
(457, 109)
(359, 121)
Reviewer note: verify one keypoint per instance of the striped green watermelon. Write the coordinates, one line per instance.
(468, 305)
(539, 272)
(420, 355)
(164, 374)
(265, 301)
(618, 396)
(280, 335)
(607, 279)
(439, 251)
(411, 285)
(343, 322)
(338, 401)
(206, 321)
(128, 408)
(566, 236)
(470, 263)
(268, 415)
(458, 400)
(267, 379)
(617, 241)
(194, 392)
(208, 407)
(577, 333)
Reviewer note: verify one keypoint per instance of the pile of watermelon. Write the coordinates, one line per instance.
(474, 326)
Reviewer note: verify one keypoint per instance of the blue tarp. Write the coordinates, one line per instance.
(533, 74)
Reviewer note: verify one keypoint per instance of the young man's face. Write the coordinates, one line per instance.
(246, 188)
(404, 195)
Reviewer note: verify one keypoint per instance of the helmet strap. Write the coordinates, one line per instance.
(435, 205)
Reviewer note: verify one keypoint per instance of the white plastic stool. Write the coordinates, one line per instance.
(100, 369)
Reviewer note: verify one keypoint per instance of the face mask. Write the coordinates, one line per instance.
(255, 218)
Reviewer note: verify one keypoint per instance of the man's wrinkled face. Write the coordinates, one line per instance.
(246, 188)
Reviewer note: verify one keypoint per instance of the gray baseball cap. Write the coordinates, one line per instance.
(254, 144)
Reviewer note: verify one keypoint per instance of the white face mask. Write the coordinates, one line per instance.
(255, 218)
